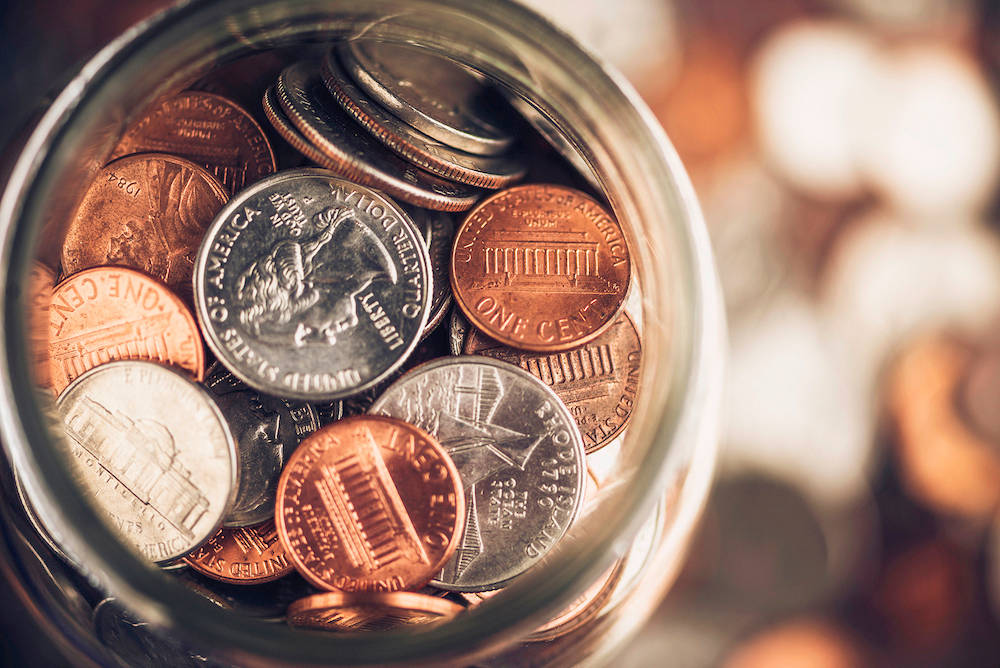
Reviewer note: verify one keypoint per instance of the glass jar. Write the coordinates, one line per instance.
(662, 471)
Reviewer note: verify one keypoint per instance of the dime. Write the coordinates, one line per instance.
(115, 313)
(312, 287)
(242, 555)
(458, 329)
(596, 381)
(369, 504)
(41, 281)
(484, 171)
(352, 152)
(208, 130)
(518, 451)
(540, 267)
(433, 94)
(379, 611)
(147, 211)
(267, 429)
(438, 230)
(153, 451)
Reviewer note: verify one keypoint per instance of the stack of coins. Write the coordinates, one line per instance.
(251, 365)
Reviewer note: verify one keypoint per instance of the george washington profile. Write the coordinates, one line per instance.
(303, 291)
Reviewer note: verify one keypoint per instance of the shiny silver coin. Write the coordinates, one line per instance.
(154, 451)
(433, 94)
(517, 450)
(458, 330)
(311, 287)
(350, 151)
(438, 229)
(483, 171)
(267, 430)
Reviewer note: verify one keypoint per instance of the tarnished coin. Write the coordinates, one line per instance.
(518, 451)
(540, 267)
(115, 313)
(40, 284)
(154, 452)
(267, 429)
(458, 329)
(312, 287)
(597, 381)
(369, 611)
(207, 129)
(438, 230)
(242, 555)
(369, 504)
(147, 211)
(484, 171)
(353, 152)
(433, 94)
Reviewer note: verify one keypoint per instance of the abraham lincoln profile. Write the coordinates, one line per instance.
(305, 290)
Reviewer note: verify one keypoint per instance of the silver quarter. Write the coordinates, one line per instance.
(350, 151)
(155, 453)
(311, 287)
(517, 450)
(438, 229)
(433, 94)
(267, 430)
(458, 330)
(483, 171)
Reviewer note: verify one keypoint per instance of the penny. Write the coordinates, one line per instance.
(438, 231)
(311, 287)
(208, 130)
(433, 94)
(540, 267)
(583, 609)
(458, 329)
(242, 555)
(597, 381)
(41, 281)
(147, 211)
(352, 152)
(518, 451)
(116, 313)
(369, 504)
(380, 611)
(153, 451)
(267, 429)
(484, 171)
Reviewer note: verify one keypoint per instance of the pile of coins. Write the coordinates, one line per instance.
(335, 428)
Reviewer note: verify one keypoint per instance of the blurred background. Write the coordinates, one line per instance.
(847, 158)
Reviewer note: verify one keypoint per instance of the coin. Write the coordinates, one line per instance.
(379, 611)
(369, 504)
(438, 231)
(114, 313)
(352, 152)
(40, 284)
(433, 94)
(597, 381)
(147, 211)
(518, 451)
(208, 130)
(267, 429)
(484, 171)
(153, 451)
(458, 329)
(242, 555)
(312, 287)
(540, 267)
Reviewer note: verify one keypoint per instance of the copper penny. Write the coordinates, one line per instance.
(597, 381)
(41, 281)
(584, 608)
(370, 504)
(369, 611)
(540, 267)
(208, 130)
(148, 211)
(243, 555)
(115, 313)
